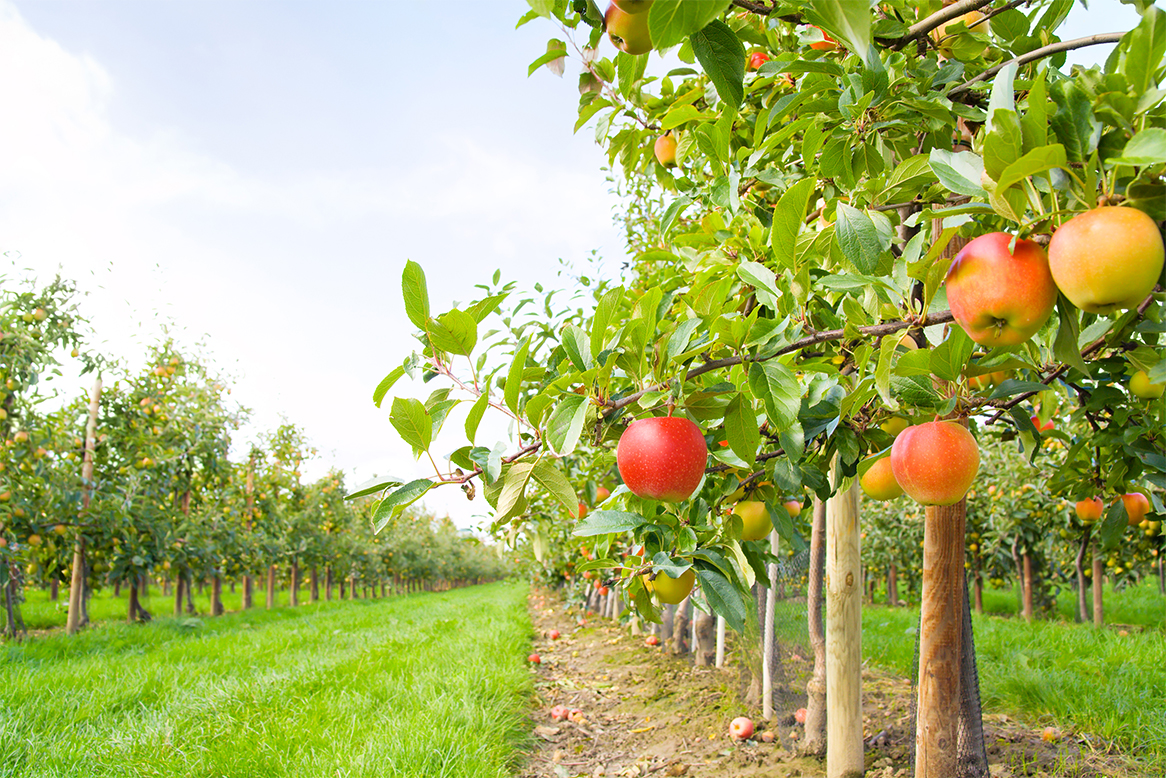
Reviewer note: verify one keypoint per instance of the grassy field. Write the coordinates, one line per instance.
(432, 685)
(1098, 681)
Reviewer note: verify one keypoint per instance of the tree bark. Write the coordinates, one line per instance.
(1027, 610)
(843, 635)
(768, 644)
(136, 612)
(270, 587)
(217, 595)
(680, 628)
(189, 589)
(295, 584)
(328, 583)
(314, 586)
(178, 595)
(1082, 581)
(815, 742)
(14, 625)
(978, 591)
(1098, 588)
(892, 585)
(941, 642)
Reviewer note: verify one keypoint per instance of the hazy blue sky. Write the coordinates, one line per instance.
(257, 173)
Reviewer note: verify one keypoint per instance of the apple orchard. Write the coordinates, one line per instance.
(897, 245)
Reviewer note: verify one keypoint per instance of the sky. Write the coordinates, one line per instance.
(254, 176)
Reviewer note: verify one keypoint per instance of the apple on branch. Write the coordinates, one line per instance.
(662, 458)
(1107, 259)
(935, 463)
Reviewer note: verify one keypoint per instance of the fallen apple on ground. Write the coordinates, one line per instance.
(651, 640)
(741, 728)
(560, 712)
(534, 659)
(554, 634)
(800, 715)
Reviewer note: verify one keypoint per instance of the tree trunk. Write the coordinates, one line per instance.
(217, 595)
(1098, 588)
(54, 589)
(328, 583)
(768, 643)
(314, 586)
(295, 584)
(815, 742)
(978, 591)
(1082, 581)
(77, 585)
(680, 628)
(720, 639)
(178, 595)
(843, 635)
(14, 625)
(941, 642)
(144, 587)
(136, 612)
(893, 585)
(248, 592)
(1027, 610)
(189, 590)
(270, 587)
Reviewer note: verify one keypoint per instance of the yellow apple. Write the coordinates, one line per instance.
(879, 481)
(755, 517)
(665, 149)
(673, 590)
(628, 31)
(1107, 259)
(1141, 387)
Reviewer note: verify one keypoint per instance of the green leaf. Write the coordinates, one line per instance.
(776, 385)
(1148, 147)
(556, 51)
(455, 332)
(763, 280)
(552, 479)
(1074, 123)
(1065, 345)
(392, 506)
(386, 384)
(474, 418)
(959, 171)
(371, 487)
(663, 564)
(512, 500)
(602, 319)
(721, 54)
(915, 391)
(1034, 123)
(847, 20)
(741, 428)
(412, 422)
(722, 597)
(514, 377)
(1033, 163)
(671, 21)
(788, 217)
(565, 424)
(858, 238)
(577, 346)
(679, 116)
(1142, 49)
(605, 522)
(1113, 526)
(672, 213)
(784, 524)
(486, 306)
(416, 295)
(948, 358)
(678, 341)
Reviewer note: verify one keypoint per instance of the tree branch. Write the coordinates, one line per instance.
(941, 16)
(1044, 51)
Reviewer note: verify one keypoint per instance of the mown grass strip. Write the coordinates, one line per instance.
(430, 685)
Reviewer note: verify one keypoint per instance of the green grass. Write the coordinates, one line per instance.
(1096, 681)
(432, 685)
(40, 612)
(1140, 605)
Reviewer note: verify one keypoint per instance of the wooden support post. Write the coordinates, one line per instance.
(73, 621)
(815, 742)
(1027, 610)
(720, 641)
(767, 647)
(1098, 587)
(843, 636)
(940, 642)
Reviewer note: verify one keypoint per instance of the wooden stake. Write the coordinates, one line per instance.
(767, 640)
(843, 636)
(77, 585)
(720, 641)
(1098, 587)
(815, 743)
(940, 642)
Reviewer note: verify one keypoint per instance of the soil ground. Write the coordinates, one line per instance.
(644, 712)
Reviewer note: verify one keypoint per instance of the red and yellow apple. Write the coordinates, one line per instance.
(826, 44)
(879, 481)
(662, 458)
(628, 32)
(1089, 511)
(652, 641)
(1107, 259)
(582, 510)
(665, 150)
(793, 507)
(601, 494)
(1000, 298)
(988, 380)
(1137, 506)
(756, 60)
(741, 728)
(935, 463)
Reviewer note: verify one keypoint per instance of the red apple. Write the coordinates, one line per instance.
(534, 659)
(603, 591)
(826, 44)
(601, 494)
(1089, 511)
(665, 150)
(741, 728)
(651, 640)
(879, 481)
(1043, 427)
(793, 508)
(1107, 259)
(1137, 506)
(935, 463)
(560, 712)
(554, 634)
(756, 60)
(1000, 299)
(628, 31)
(662, 458)
(800, 715)
(767, 736)
(582, 510)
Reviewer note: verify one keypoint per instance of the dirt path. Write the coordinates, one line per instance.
(634, 711)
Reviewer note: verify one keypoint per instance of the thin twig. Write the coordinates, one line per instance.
(1044, 51)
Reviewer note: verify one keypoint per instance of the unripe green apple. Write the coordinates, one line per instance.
(755, 518)
(1107, 259)
(879, 481)
(935, 463)
(894, 425)
(671, 590)
(665, 149)
(946, 43)
(1141, 387)
(1000, 298)
(627, 31)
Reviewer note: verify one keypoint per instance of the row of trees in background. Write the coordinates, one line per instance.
(133, 483)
